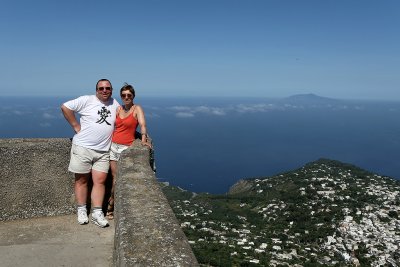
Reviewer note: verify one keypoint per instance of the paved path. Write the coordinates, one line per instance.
(55, 241)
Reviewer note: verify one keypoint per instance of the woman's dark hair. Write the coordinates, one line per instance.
(128, 87)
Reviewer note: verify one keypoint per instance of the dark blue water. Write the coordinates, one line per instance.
(207, 144)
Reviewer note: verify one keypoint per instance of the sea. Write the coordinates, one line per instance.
(205, 144)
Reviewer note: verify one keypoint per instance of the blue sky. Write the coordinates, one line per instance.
(341, 49)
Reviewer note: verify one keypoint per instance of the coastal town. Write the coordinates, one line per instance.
(325, 213)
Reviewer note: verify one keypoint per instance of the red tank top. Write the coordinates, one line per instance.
(124, 133)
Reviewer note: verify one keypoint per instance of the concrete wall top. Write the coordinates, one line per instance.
(147, 232)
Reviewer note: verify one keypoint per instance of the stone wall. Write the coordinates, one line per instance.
(34, 179)
(34, 182)
(146, 230)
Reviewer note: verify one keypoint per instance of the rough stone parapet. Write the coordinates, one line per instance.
(34, 179)
(146, 230)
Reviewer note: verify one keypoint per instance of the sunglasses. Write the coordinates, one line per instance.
(126, 95)
(104, 88)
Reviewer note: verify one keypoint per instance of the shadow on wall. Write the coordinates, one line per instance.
(34, 178)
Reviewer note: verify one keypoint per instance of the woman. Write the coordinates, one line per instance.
(128, 118)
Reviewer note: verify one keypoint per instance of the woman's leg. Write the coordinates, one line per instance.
(110, 208)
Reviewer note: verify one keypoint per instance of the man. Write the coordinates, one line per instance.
(90, 147)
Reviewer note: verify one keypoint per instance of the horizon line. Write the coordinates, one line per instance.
(219, 96)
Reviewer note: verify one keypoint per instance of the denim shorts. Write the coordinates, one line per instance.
(116, 150)
(83, 160)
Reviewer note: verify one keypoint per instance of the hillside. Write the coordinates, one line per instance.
(326, 213)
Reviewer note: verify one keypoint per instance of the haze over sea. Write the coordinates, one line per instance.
(207, 144)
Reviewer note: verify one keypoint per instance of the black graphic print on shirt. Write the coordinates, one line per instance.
(104, 113)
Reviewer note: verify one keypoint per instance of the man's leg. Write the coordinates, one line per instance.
(98, 191)
(99, 187)
(81, 190)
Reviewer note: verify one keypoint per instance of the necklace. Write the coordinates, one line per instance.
(126, 109)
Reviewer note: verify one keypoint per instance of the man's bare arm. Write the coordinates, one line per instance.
(70, 117)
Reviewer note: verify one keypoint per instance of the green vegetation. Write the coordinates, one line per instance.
(312, 216)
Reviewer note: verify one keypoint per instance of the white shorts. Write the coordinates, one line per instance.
(83, 160)
(116, 150)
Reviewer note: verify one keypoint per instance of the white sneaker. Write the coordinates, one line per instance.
(82, 216)
(98, 219)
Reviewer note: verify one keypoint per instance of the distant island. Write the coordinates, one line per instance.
(311, 99)
(327, 213)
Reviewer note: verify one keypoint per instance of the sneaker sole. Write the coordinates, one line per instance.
(82, 223)
(96, 223)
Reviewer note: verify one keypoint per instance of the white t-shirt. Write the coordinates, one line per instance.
(96, 120)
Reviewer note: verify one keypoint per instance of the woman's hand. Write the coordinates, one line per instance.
(145, 143)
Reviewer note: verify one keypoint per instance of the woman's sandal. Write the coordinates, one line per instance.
(110, 209)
